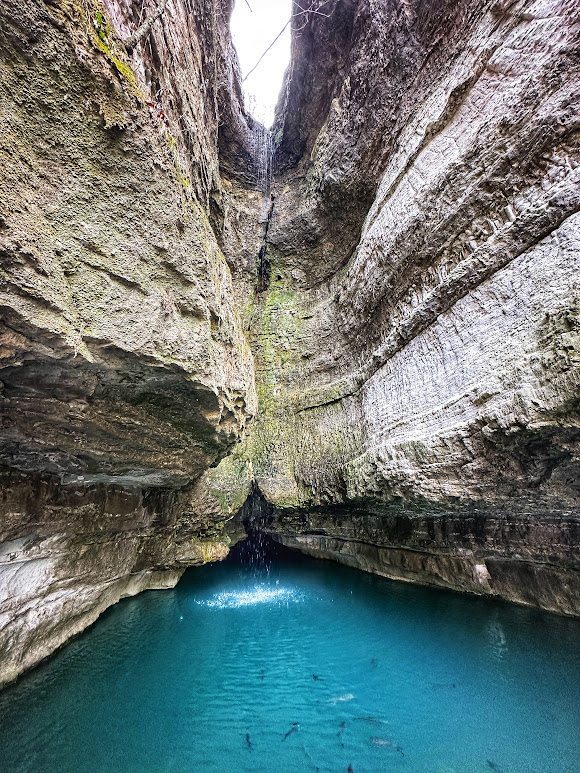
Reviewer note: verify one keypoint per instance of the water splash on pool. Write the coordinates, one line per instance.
(259, 594)
(301, 667)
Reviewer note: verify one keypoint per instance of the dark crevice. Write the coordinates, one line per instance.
(264, 267)
(256, 513)
(259, 549)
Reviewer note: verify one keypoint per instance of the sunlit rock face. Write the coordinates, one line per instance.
(124, 365)
(417, 346)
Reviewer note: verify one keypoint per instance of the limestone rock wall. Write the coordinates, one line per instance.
(417, 358)
(124, 366)
(404, 288)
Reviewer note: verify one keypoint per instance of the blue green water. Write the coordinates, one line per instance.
(212, 675)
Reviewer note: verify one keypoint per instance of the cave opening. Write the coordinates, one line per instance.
(261, 35)
(259, 550)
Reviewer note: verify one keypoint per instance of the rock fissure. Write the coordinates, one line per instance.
(264, 268)
(358, 333)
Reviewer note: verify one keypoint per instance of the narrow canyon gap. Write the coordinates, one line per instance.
(261, 35)
(359, 334)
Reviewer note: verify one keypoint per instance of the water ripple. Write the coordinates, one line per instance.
(306, 667)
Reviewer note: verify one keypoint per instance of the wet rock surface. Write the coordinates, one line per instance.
(124, 366)
(417, 348)
(369, 319)
(530, 560)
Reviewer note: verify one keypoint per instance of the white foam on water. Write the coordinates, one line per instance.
(260, 594)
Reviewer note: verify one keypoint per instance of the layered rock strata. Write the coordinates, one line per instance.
(405, 286)
(417, 346)
(125, 371)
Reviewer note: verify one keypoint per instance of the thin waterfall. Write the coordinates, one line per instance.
(258, 549)
(263, 154)
(263, 147)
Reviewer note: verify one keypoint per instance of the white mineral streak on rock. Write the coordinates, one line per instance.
(481, 574)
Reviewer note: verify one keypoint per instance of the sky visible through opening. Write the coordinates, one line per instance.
(252, 32)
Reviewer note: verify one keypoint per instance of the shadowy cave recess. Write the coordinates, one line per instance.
(367, 320)
(254, 546)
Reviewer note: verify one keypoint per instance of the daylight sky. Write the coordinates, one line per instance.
(252, 32)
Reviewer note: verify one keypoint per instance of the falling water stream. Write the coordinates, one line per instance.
(263, 152)
(301, 665)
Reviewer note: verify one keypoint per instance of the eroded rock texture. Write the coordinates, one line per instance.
(417, 348)
(124, 367)
(407, 283)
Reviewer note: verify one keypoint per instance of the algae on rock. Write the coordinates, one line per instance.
(399, 393)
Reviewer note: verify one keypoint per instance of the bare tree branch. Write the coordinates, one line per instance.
(266, 51)
(132, 42)
(303, 11)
